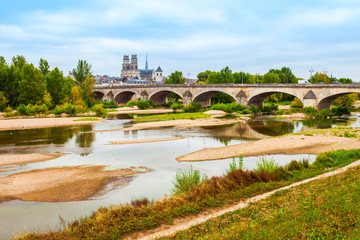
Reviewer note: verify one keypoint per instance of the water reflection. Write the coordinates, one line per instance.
(85, 138)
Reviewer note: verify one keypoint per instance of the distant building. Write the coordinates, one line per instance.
(131, 70)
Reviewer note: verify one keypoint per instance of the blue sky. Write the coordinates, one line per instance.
(186, 35)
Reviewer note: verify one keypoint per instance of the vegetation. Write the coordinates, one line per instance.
(141, 104)
(86, 119)
(175, 78)
(170, 116)
(325, 113)
(192, 107)
(324, 209)
(185, 180)
(118, 221)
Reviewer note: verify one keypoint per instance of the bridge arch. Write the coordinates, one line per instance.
(327, 101)
(99, 96)
(160, 97)
(124, 97)
(258, 98)
(204, 98)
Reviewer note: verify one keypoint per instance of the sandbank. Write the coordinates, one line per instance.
(145, 140)
(134, 110)
(182, 123)
(60, 184)
(30, 123)
(289, 144)
(12, 159)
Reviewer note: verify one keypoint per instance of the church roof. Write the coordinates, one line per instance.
(159, 69)
(146, 71)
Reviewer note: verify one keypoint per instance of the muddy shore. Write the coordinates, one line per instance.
(11, 159)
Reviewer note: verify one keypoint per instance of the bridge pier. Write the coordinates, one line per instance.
(310, 103)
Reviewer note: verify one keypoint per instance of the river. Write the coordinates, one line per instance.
(85, 148)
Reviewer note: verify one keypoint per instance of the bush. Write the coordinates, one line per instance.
(141, 104)
(296, 103)
(80, 109)
(176, 105)
(30, 110)
(269, 107)
(21, 109)
(310, 111)
(233, 166)
(184, 180)
(58, 110)
(245, 111)
(254, 109)
(340, 110)
(3, 101)
(8, 109)
(110, 104)
(99, 109)
(193, 107)
(69, 109)
(228, 107)
(266, 165)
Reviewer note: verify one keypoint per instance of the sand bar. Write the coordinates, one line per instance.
(129, 110)
(12, 159)
(289, 144)
(60, 184)
(182, 123)
(145, 140)
(29, 123)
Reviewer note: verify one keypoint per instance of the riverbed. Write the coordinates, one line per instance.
(85, 146)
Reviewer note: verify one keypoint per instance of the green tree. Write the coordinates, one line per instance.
(19, 61)
(345, 80)
(287, 76)
(224, 76)
(82, 70)
(3, 101)
(271, 77)
(2, 61)
(32, 88)
(319, 77)
(242, 77)
(88, 90)
(55, 82)
(203, 76)
(346, 100)
(44, 67)
(175, 78)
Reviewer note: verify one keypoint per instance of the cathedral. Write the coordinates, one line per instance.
(130, 70)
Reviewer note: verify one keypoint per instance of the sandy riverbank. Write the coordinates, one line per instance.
(183, 123)
(29, 123)
(11, 159)
(289, 144)
(145, 140)
(135, 110)
(61, 184)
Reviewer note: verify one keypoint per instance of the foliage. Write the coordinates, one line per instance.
(176, 77)
(221, 98)
(55, 83)
(86, 119)
(269, 108)
(87, 92)
(297, 103)
(3, 101)
(185, 180)
(325, 113)
(99, 109)
(233, 166)
(44, 67)
(336, 158)
(141, 104)
(266, 165)
(82, 71)
(224, 76)
(177, 105)
(31, 86)
(346, 100)
(76, 95)
(228, 107)
(345, 80)
(203, 76)
(171, 116)
(110, 104)
(192, 107)
(319, 77)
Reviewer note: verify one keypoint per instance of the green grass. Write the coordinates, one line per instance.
(171, 116)
(323, 209)
(86, 119)
(118, 221)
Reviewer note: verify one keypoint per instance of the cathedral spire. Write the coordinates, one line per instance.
(146, 64)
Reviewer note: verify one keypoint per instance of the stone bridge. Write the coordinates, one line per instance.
(315, 95)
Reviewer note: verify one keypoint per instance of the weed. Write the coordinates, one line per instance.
(233, 166)
(184, 180)
(266, 165)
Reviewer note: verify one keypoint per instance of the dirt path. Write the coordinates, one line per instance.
(11, 159)
(29, 123)
(187, 222)
(60, 184)
(145, 140)
(289, 144)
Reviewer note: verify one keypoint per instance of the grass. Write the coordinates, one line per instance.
(171, 116)
(119, 221)
(185, 180)
(323, 209)
(86, 119)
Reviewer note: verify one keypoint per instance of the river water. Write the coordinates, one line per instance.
(87, 148)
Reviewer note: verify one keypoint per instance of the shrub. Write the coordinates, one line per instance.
(8, 109)
(176, 105)
(269, 107)
(340, 110)
(144, 201)
(30, 110)
(227, 107)
(310, 111)
(254, 109)
(193, 107)
(293, 165)
(99, 109)
(245, 111)
(184, 180)
(3, 101)
(80, 109)
(69, 109)
(110, 104)
(296, 103)
(21, 109)
(58, 110)
(266, 165)
(233, 166)
(142, 104)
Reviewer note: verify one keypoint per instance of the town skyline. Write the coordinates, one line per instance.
(186, 36)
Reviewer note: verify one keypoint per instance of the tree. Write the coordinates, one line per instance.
(175, 78)
(287, 76)
(271, 77)
(55, 82)
(346, 100)
(203, 76)
(319, 77)
(2, 61)
(31, 86)
(82, 70)
(242, 77)
(44, 67)
(76, 95)
(88, 90)
(224, 76)
(19, 61)
(345, 80)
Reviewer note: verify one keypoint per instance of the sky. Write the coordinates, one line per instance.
(186, 35)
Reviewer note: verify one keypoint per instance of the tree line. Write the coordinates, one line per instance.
(21, 83)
